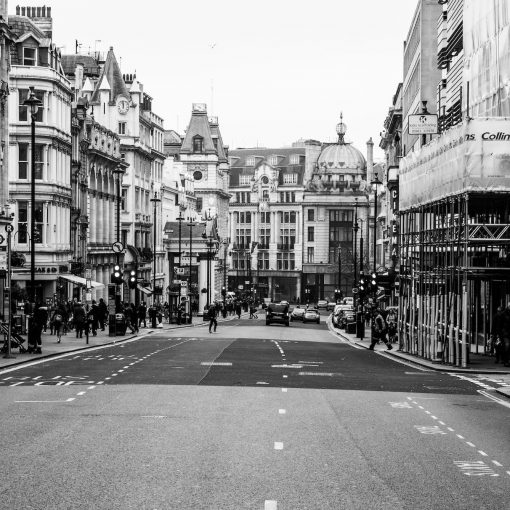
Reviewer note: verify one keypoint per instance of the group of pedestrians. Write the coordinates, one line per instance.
(384, 327)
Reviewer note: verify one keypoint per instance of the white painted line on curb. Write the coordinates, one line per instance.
(284, 390)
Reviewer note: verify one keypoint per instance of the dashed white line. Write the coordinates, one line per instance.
(450, 429)
(470, 444)
(284, 390)
(496, 463)
(91, 387)
(460, 437)
(81, 393)
(278, 445)
(282, 411)
(270, 504)
(482, 453)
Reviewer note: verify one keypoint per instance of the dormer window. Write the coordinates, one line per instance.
(198, 144)
(273, 160)
(294, 159)
(29, 56)
(250, 161)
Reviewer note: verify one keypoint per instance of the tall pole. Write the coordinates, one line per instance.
(355, 228)
(190, 224)
(208, 270)
(180, 218)
(32, 203)
(8, 313)
(154, 238)
(375, 182)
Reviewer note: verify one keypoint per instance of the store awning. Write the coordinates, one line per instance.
(78, 280)
(145, 290)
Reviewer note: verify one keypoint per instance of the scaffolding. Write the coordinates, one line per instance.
(454, 273)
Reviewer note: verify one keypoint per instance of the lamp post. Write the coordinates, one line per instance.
(375, 182)
(360, 318)
(33, 104)
(155, 200)
(190, 225)
(355, 229)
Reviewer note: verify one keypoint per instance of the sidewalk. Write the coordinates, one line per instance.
(478, 363)
(50, 348)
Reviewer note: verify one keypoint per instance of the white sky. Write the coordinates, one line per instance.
(281, 69)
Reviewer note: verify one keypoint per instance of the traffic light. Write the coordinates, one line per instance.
(362, 285)
(223, 291)
(373, 283)
(117, 275)
(132, 279)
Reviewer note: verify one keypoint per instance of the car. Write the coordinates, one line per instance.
(276, 312)
(297, 314)
(341, 307)
(312, 315)
(348, 301)
(322, 303)
(347, 317)
(331, 305)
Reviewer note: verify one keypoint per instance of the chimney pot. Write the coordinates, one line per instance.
(23, 11)
(38, 12)
(43, 11)
(17, 10)
(48, 12)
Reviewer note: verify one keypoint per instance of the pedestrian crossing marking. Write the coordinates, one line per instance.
(475, 468)
(401, 405)
(430, 430)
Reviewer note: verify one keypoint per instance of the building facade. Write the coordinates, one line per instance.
(36, 62)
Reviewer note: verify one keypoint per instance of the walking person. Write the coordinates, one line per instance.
(212, 313)
(142, 315)
(80, 319)
(58, 319)
(93, 317)
(131, 318)
(238, 309)
(379, 330)
(103, 313)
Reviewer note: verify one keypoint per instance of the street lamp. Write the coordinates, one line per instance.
(190, 225)
(155, 200)
(375, 182)
(33, 104)
(355, 229)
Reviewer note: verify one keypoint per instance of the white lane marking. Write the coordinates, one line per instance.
(115, 375)
(293, 365)
(434, 417)
(91, 387)
(450, 429)
(120, 371)
(482, 453)
(420, 407)
(442, 423)
(496, 399)
(270, 504)
(285, 376)
(71, 399)
(400, 405)
(470, 444)
(215, 364)
(325, 374)
(40, 401)
(460, 437)
(429, 430)
(282, 411)
(474, 468)
(278, 445)
(317, 362)
(496, 463)
(508, 472)
(100, 382)
(153, 416)
(81, 393)
(284, 390)
(262, 382)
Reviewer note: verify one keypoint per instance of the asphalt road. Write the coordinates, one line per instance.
(252, 417)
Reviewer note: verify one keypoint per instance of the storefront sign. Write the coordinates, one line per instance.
(423, 124)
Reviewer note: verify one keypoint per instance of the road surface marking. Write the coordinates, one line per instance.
(284, 390)
(278, 445)
(285, 376)
(429, 430)
(400, 405)
(270, 504)
(100, 382)
(81, 393)
(434, 417)
(287, 366)
(120, 371)
(282, 411)
(496, 463)
(460, 437)
(470, 444)
(475, 468)
(421, 407)
(508, 472)
(450, 429)
(41, 401)
(324, 374)
(215, 364)
(442, 423)
(482, 453)
(317, 362)
(70, 399)
(91, 387)
(262, 382)
(115, 375)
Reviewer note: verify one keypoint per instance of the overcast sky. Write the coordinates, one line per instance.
(280, 69)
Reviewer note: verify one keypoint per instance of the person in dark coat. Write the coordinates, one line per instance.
(131, 318)
(142, 315)
(212, 313)
(93, 317)
(103, 313)
(238, 309)
(379, 331)
(79, 318)
(37, 323)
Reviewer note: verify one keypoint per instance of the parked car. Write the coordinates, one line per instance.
(276, 312)
(346, 317)
(297, 314)
(331, 305)
(342, 314)
(312, 315)
(322, 303)
(341, 307)
(348, 301)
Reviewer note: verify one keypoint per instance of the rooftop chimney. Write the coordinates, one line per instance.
(41, 17)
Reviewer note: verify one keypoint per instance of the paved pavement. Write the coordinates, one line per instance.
(70, 343)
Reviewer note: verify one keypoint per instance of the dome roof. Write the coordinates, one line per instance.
(341, 155)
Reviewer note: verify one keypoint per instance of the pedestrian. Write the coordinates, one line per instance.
(80, 319)
(142, 315)
(103, 313)
(131, 318)
(238, 309)
(58, 320)
(37, 322)
(391, 322)
(379, 330)
(212, 314)
(93, 317)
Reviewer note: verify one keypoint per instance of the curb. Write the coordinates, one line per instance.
(423, 363)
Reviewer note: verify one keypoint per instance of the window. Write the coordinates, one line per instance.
(290, 179)
(340, 234)
(199, 204)
(273, 160)
(287, 238)
(265, 235)
(250, 161)
(311, 215)
(22, 160)
(294, 159)
(38, 222)
(340, 216)
(244, 180)
(198, 144)
(310, 255)
(243, 237)
(29, 56)
(122, 128)
(39, 161)
(288, 217)
(265, 195)
(22, 222)
(124, 202)
(310, 234)
(245, 217)
(264, 179)
(285, 261)
(23, 115)
(265, 217)
(263, 260)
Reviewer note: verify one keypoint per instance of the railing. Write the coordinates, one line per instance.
(285, 247)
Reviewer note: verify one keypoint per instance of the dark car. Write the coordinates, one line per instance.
(277, 312)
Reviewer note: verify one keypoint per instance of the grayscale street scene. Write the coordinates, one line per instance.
(255, 256)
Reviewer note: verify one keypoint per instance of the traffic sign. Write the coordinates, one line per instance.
(117, 247)
(9, 228)
(184, 283)
(179, 270)
(355, 290)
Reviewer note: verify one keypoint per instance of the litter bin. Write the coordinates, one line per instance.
(350, 328)
(120, 324)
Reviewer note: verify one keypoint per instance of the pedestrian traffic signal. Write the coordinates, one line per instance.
(132, 279)
(117, 275)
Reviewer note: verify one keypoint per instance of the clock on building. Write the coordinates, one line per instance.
(122, 105)
(197, 175)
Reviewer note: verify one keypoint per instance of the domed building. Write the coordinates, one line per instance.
(336, 198)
